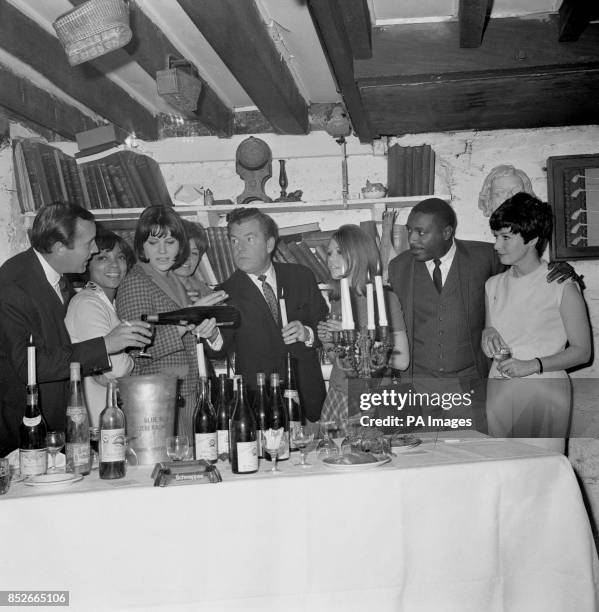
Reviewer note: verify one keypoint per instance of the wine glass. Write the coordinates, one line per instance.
(177, 447)
(54, 442)
(326, 446)
(301, 438)
(273, 442)
(501, 355)
(352, 440)
(143, 352)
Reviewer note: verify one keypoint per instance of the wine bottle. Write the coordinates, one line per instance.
(292, 401)
(222, 419)
(113, 463)
(226, 316)
(231, 404)
(205, 425)
(278, 417)
(244, 451)
(33, 452)
(77, 432)
(260, 408)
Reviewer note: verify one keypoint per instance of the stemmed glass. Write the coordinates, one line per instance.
(177, 447)
(301, 438)
(352, 440)
(502, 354)
(272, 442)
(326, 446)
(54, 442)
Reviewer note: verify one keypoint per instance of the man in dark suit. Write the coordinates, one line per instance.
(33, 298)
(440, 283)
(262, 340)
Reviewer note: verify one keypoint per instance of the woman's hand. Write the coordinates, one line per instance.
(492, 342)
(211, 299)
(206, 329)
(326, 329)
(518, 368)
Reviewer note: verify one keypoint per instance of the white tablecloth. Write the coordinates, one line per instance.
(470, 526)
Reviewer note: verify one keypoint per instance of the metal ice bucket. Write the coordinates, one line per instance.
(149, 404)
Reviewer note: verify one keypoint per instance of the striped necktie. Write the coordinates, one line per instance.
(269, 296)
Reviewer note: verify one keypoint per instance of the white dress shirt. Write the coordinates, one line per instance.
(51, 274)
(445, 264)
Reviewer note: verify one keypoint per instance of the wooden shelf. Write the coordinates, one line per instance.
(120, 218)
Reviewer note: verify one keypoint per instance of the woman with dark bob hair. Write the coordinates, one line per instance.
(91, 312)
(353, 253)
(161, 245)
(542, 328)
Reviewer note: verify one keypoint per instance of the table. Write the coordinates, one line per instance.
(467, 525)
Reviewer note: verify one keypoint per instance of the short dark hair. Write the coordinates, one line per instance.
(526, 215)
(157, 221)
(57, 222)
(197, 233)
(438, 208)
(106, 241)
(267, 223)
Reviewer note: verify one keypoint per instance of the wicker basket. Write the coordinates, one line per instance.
(180, 89)
(93, 29)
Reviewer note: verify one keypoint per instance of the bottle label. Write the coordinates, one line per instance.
(292, 393)
(76, 414)
(206, 446)
(33, 461)
(112, 445)
(32, 422)
(293, 427)
(78, 453)
(222, 442)
(247, 457)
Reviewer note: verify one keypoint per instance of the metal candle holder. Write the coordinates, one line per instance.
(359, 352)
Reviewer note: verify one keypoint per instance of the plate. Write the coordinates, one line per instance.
(53, 480)
(353, 467)
(406, 443)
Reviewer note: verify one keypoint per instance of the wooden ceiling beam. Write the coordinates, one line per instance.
(328, 20)
(29, 42)
(24, 99)
(473, 15)
(150, 48)
(574, 17)
(509, 44)
(236, 31)
(356, 17)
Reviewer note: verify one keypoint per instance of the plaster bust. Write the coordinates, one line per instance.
(500, 184)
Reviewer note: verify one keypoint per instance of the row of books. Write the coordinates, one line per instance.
(410, 171)
(118, 179)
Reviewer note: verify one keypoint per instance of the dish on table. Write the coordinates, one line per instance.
(56, 481)
(356, 460)
(404, 442)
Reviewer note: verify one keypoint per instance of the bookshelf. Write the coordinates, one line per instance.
(125, 218)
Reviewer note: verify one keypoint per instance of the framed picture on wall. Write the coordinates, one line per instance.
(573, 193)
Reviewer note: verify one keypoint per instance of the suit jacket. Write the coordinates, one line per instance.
(475, 262)
(258, 342)
(29, 306)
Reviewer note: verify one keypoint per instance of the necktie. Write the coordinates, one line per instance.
(269, 296)
(437, 275)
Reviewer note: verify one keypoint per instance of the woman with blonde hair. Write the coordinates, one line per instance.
(352, 253)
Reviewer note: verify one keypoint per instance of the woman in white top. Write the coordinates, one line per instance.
(91, 312)
(544, 326)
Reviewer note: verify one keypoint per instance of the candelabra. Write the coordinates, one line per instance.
(359, 352)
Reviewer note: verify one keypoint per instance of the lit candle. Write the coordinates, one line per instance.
(201, 359)
(283, 308)
(31, 379)
(380, 300)
(370, 303)
(347, 317)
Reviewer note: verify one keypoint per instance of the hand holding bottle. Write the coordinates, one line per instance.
(128, 334)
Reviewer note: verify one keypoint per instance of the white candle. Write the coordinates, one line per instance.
(380, 300)
(370, 305)
(283, 308)
(201, 359)
(31, 378)
(347, 317)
